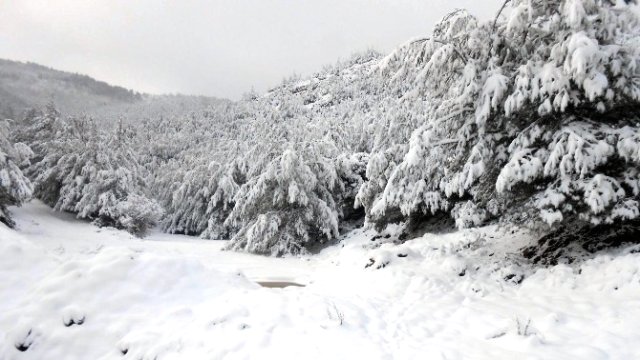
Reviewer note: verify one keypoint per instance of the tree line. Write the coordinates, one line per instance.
(530, 119)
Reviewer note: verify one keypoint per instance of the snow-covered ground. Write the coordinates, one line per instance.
(69, 290)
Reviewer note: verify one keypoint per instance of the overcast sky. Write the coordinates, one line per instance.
(216, 48)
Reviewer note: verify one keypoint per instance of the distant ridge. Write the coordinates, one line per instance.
(24, 85)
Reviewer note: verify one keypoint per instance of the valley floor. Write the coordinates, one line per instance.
(69, 290)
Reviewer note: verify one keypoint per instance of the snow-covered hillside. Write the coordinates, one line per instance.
(529, 120)
(24, 85)
(29, 85)
(69, 290)
(474, 194)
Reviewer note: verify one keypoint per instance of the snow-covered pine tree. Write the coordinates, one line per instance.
(391, 143)
(36, 129)
(581, 94)
(304, 163)
(203, 200)
(351, 169)
(198, 162)
(187, 207)
(289, 207)
(194, 168)
(15, 187)
(575, 160)
(543, 116)
(69, 138)
(432, 79)
(96, 176)
(228, 180)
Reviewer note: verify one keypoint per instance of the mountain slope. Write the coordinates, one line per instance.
(24, 85)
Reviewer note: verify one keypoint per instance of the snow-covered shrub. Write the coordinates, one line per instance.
(468, 214)
(535, 111)
(95, 175)
(135, 213)
(15, 187)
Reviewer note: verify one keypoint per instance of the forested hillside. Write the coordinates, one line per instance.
(529, 120)
(24, 85)
(27, 85)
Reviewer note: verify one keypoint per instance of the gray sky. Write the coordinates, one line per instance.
(216, 48)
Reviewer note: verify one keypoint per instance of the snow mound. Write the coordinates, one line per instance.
(84, 307)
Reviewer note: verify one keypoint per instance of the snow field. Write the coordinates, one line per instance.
(73, 291)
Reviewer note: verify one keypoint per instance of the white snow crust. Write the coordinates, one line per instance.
(69, 290)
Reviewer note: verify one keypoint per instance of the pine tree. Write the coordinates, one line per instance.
(36, 129)
(540, 118)
(95, 175)
(288, 208)
(15, 188)
(537, 126)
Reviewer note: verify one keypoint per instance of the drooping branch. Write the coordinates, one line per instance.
(442, 42)
(495, 21)
(495, 26)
